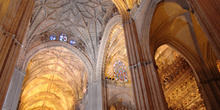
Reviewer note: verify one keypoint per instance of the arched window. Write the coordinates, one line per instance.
(63, 37)
(72, 42)
(120, 72)
(52, 37)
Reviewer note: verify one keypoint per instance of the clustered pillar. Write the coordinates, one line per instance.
(207, 13)
(12, 30)
(146, 84)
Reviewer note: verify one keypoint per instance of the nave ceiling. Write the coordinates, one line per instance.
(81, 20)
(55, 79)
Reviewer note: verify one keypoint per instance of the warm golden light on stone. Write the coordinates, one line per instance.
(116, 51)
(178, 83)
(55, 79)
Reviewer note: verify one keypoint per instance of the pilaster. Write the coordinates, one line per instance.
(14, 90)
(207, 73)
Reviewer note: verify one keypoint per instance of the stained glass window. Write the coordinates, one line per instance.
(72, 42)
(120, 72)
(52, 37)
(63, 37)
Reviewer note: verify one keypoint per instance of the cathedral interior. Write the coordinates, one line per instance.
(109, 55)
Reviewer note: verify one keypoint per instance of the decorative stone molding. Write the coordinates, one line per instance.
(5, 32)
(18, 42)
(8, 34)
(144, 63)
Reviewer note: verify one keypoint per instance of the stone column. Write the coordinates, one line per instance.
(13, 26)
(14, 90)
(207, 72)
(148, 91)
(207, 13)
(209, 87)
(95, 96)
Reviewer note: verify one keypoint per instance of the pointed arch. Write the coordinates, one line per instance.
(44, 46)
(114, 21)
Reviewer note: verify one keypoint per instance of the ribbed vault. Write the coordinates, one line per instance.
(115, 50)
(84, 20)
(55, 80)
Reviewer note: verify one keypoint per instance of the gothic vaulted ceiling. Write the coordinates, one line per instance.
(83, 19)
(55, 80)
(115, 50)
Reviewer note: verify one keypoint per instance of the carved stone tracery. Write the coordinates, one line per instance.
(178, 83)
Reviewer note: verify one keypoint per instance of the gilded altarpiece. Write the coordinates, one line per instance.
(178, 83)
